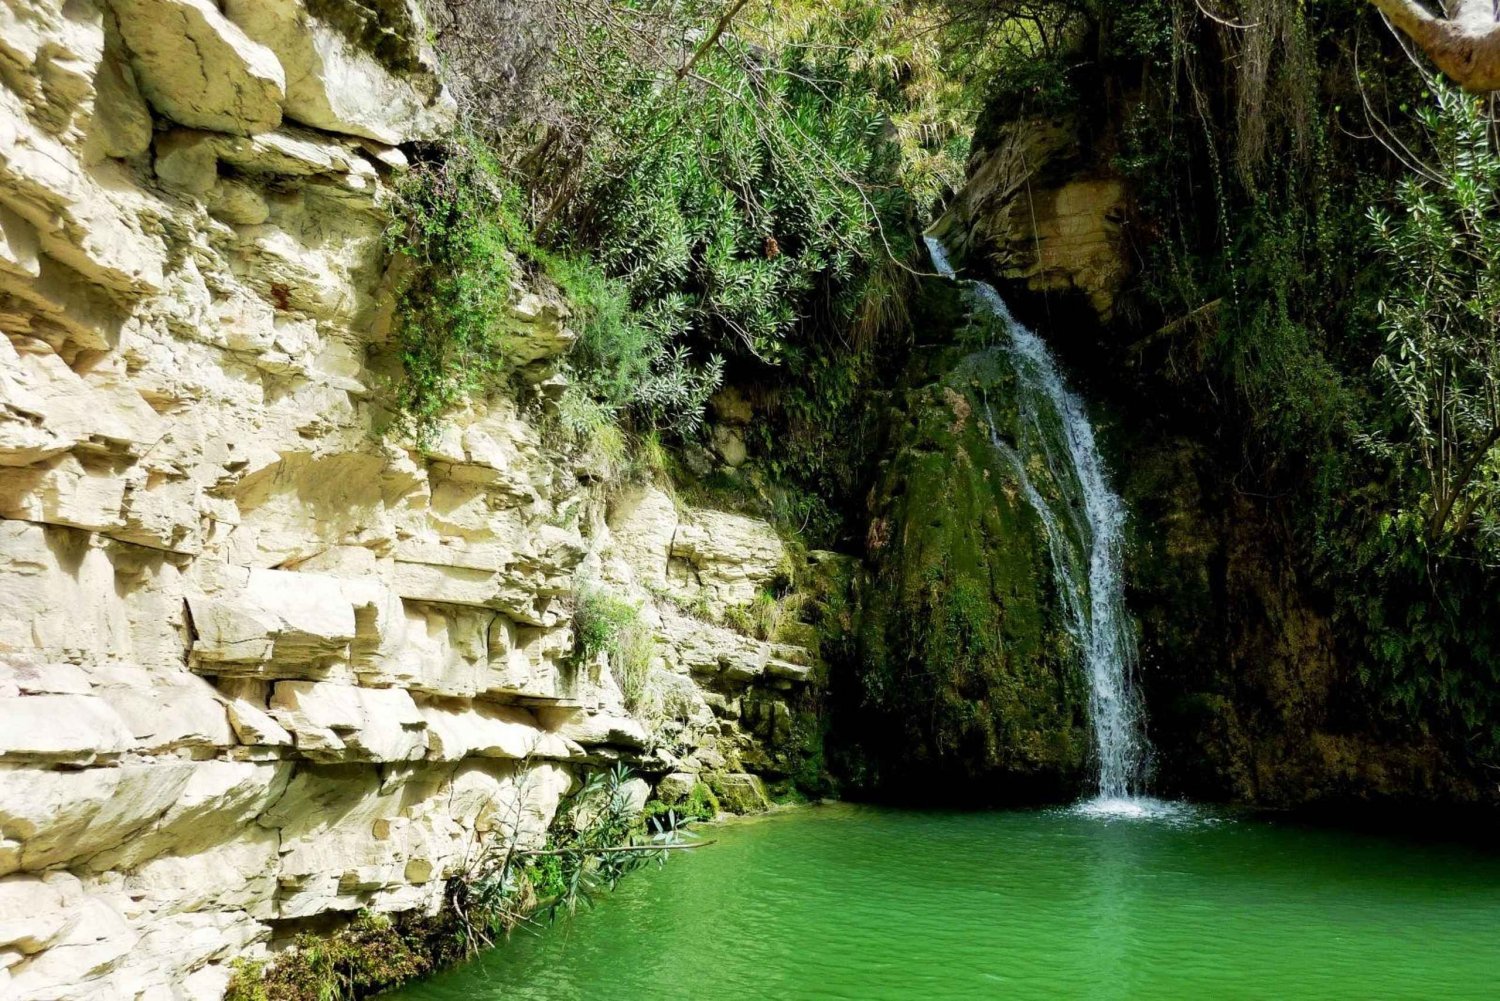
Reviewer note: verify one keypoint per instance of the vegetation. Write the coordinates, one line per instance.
(761, 618)
(604, 624)
(963, 651)
(1313, 216)
(599, 836)
(371, 955)
(741, 204)
(727, 191)
(1441, 316)
(700, 804)
(457, 225)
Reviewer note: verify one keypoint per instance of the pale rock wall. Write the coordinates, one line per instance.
(1034, 215)
(258, 663)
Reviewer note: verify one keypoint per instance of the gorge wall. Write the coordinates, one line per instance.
(261, 666)
(1253, 687)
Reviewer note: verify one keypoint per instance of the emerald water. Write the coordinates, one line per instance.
(849, 902)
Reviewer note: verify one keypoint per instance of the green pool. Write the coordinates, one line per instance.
(859, 903)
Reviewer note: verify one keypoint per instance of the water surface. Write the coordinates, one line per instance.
(850, 902)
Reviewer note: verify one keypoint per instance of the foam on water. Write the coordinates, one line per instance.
(1142, 808)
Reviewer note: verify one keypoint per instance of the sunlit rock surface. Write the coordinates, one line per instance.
(259, 663)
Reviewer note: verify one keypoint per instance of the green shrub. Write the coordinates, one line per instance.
(605, 624)
(369, 956)
(761, 619)
(457, 224)
(625, 361)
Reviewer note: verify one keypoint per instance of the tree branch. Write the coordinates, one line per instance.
(617, 850)
(1464, 45)
(713, 37)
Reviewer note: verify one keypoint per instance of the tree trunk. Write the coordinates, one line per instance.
(1465, 45)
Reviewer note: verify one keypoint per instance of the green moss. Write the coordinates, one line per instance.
(700, 804)
(739, 793)
(373, 954)
(964, 672)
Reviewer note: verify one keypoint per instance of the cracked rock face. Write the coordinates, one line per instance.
(1036, 216)
(258, 664)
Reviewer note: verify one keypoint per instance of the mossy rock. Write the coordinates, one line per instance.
(968, 684)
(739, 792)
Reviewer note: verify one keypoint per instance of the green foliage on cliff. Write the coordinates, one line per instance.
(372, 955)
(1440, 313)
(1335, 373)
(605, 624)
(743, 174)
(458, 224)
(458, 228)
(597, 839)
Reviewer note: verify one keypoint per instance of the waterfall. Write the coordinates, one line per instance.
(1084, 523)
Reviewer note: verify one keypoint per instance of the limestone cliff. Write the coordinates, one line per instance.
(1040, 210)
(261, 665)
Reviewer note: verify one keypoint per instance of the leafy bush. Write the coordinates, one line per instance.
(1439, 313)
(370, 956)
(596, 840)
(605, 624)
(458, 224)
(626, 362)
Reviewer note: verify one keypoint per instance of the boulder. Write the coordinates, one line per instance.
(725, 559)
(273, 622)
(972, 677)
(347, 71)
(628, 799)
(200, 69)
(676, 787)
(1027, 213)
(65, 817)
(741, 793)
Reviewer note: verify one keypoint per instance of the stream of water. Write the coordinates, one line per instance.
(1084, 520)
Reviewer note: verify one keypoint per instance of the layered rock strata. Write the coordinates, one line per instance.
(260, 665)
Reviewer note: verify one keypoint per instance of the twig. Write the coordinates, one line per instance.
(1225, 21)
(540, 853)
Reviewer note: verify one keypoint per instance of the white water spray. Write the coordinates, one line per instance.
(1084, 523)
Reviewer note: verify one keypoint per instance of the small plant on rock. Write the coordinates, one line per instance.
(605, 624)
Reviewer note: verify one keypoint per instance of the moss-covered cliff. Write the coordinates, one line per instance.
(965, 686)
(1301, 643)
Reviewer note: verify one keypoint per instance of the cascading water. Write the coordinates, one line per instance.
(1084, 523)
